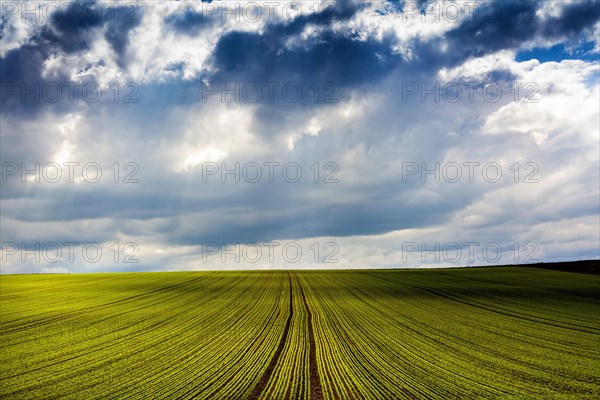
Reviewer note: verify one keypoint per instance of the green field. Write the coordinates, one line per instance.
(503, 332)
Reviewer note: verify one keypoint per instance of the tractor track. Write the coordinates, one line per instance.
(262, 383)
(316, 390)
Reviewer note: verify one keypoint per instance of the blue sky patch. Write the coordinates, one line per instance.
(559, 52)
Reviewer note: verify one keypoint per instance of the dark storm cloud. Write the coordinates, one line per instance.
(509, 25)
(117, 29)
(350, 62)
(69, 30)
(197, 212)
(332, 58)
(341, 11)
(339, 58)
(23, 64)
(3, 19)
(73, 29)
(493, 29)
(294, 221)
(187, 22)
(22, 71)
(575, 18)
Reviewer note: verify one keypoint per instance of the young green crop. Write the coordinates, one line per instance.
(505, 332)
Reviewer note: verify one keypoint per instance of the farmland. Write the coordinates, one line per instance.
(504, 332)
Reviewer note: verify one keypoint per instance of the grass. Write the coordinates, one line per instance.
(505, 332)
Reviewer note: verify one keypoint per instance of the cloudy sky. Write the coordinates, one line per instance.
(182, 135)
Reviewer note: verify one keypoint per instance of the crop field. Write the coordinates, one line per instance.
(502, 332)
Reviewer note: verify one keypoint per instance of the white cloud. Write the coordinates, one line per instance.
(557, 109)
(54, 270)
(370, 133)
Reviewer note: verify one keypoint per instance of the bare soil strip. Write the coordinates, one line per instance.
(316, 391)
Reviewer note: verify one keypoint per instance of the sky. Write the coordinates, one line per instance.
(198, 135)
